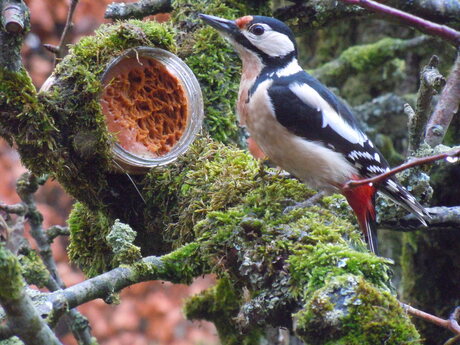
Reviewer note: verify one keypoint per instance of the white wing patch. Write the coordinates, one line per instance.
(375, 169)
(355, 155)
(330, 117)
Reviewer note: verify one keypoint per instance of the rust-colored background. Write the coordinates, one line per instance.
(149, 313)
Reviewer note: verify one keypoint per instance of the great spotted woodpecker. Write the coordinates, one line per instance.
(301, 125)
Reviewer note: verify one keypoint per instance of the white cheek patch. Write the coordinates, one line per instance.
(272, 43)
(330, 117)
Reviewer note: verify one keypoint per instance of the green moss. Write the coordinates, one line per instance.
(75, 95)
(11, 281)
(312, 266)
(120, 239)
(349, 310)
(213, 177)
(360, 59)
(11, 341)
(220, 304)
(88, 246)
(213, 61)
(33, 269)
(25, 121)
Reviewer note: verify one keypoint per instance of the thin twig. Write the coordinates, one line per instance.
(61, 49)
(450, 324)
(453, 341)
(424, 25)
(55, 231)
(446, 108)
(452, 155)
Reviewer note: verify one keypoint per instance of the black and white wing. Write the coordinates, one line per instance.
(309, 110)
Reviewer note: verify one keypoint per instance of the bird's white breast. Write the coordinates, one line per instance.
(309, 161)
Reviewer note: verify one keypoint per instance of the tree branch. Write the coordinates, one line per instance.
(15, 19)
(316, 14)
(451, 156)
(168, 267)
(438, 11)
(27, 185)
(442, 218)
(451, 323)
(23, 319)
(361, 58)
(442, 31)
(55, 231)
(446, 108)
(431, 81)
(139, 10)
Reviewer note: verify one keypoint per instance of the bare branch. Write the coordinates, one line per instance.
(13, 17)
(438, 11)
(139, 10)
(431, 81)
(424, 25)
(450, 156)
(61, 49)
(446, 107)
(442, 218)
(450, 324)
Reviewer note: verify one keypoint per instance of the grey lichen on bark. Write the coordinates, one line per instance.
(23, 318)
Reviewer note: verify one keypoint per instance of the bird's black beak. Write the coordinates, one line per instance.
(224, 26)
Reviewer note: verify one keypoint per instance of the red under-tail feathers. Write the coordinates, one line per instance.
(362, 201)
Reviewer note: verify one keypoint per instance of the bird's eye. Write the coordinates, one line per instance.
(257, 29)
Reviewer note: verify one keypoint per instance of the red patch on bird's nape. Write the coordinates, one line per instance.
(243, 21)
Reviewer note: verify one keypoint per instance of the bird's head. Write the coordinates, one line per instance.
(269, 39)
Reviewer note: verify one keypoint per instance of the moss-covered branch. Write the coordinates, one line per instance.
(180, 266)
(431, 81)
(364, 58)
(23, 318)
(305, 15)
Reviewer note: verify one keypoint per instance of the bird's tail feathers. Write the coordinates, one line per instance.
(362, 200)
(402, 197)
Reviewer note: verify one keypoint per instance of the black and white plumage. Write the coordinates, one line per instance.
(300, 124)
